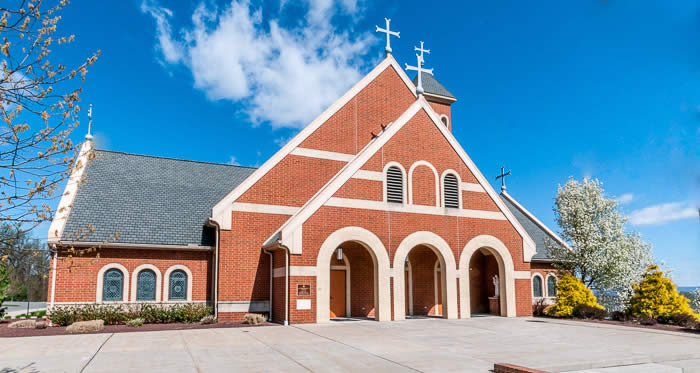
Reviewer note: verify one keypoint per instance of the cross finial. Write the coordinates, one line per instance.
(388, 33)
(419, 68)
(502, 176)
(88, 137)
(421, 50)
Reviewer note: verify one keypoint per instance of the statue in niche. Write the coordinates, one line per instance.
(497, 289)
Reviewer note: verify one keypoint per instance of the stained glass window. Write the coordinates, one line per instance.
(551, 286)
(178, 285)
(113, 285)
(537, 286)
(146, 285)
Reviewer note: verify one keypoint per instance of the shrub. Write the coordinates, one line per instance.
(646, 320)
(135, 323)
(539, 307)
(570, 293)
(656, 296)
(619, 316)
(85, 327)
(209, 319)
(254, 318)
(121, 313)
(679, 319)
(585, 311)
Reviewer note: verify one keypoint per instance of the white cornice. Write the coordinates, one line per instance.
(323, 154)
(413, 209)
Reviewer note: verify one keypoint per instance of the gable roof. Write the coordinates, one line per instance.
(221, 212)
(432, 86)
(535, 228)
(290, 232)
(149, 200)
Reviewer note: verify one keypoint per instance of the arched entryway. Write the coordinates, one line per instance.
(360, 279)
(431, 288)
(482, 258)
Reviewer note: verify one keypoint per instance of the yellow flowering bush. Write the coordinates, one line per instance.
(571, 292)
(656, 296)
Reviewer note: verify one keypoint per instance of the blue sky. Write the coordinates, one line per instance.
(550, 89)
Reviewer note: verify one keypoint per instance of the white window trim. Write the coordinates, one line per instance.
(134, 282)
(542, 286)
(442, 188)
(546, 285)
(166, 284)
(101, 279)
(410, 181)
(403, 181)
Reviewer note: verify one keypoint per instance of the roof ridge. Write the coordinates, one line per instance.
(173, 159)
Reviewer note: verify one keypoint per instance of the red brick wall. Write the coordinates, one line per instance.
(361, 280)
(423, 185)
(76, 278)
(423, 261)
(443, 109)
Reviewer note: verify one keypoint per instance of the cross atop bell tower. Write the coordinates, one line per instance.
(419, 68)
(388, 33)
(89, 137)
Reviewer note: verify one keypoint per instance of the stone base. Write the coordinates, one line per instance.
(495, 306)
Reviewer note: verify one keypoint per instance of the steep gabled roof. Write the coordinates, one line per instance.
(149, 200)
(535, 228)
(433, 87)
(290, 232)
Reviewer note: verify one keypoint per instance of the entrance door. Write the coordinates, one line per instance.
(438, 290)
(337, 293)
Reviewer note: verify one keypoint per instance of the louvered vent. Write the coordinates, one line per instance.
(394, 185)
(451, 191)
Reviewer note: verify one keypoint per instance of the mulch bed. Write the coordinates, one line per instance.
(61, 330)
(632, 324)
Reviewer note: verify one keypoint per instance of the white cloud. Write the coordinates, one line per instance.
(663, 213)
(282, 76)
(625, 198)
(232, 161)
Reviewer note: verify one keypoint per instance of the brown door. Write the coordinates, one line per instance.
(406, 288)
(338, 293)
(439, 293)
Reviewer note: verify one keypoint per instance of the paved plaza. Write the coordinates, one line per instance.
(426, 345)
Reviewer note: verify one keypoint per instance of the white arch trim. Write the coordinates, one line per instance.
(101, 279)
(380, 258)
(166, 284)
(404, 181)
(446, 120)
(506, 274)
(410, 181)
(447, 261)
(542, 285)
(134, 281)
(442, 186)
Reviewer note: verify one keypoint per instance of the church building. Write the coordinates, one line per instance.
(374, 210)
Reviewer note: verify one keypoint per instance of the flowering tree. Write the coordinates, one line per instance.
(694, 297)
(38, 111)
(605, 257)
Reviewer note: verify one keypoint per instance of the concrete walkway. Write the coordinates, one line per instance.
(428, 345)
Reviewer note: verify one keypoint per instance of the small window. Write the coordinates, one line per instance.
(444, 121)
(178, 285)
(394, 185)
(551, 286)
(451, 191)
(146, 285)
(537, 286)
(113, 286)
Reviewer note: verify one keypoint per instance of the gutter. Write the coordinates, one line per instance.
(215, 266)
(143, 246)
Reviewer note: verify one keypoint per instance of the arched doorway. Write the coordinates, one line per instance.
(432, 288)
(478, 254)
(352, 282)
(367, 264)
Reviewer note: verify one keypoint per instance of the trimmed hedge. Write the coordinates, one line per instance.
(151, 313)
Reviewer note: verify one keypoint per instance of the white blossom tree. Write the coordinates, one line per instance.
(603, 255)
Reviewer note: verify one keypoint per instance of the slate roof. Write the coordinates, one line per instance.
(430, 85)
(533, 229)
(150, 200)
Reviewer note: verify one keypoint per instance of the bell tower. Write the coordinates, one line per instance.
(438, 96)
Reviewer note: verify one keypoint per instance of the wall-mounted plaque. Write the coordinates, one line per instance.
(303, 290)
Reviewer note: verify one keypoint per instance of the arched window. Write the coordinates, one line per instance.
(444, 121)
(394, 185)
(113, 285)
(551, 286)
(451, 191)
(178, 285)
(146, 285)
(537, 286)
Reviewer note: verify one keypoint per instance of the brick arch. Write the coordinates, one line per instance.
(447, 261)
(380, 258)
(435, 187)
(506, 273)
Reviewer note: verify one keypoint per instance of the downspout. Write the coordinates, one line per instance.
(278, 244)
(271, 278)
(215, 266)
(53, 280)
